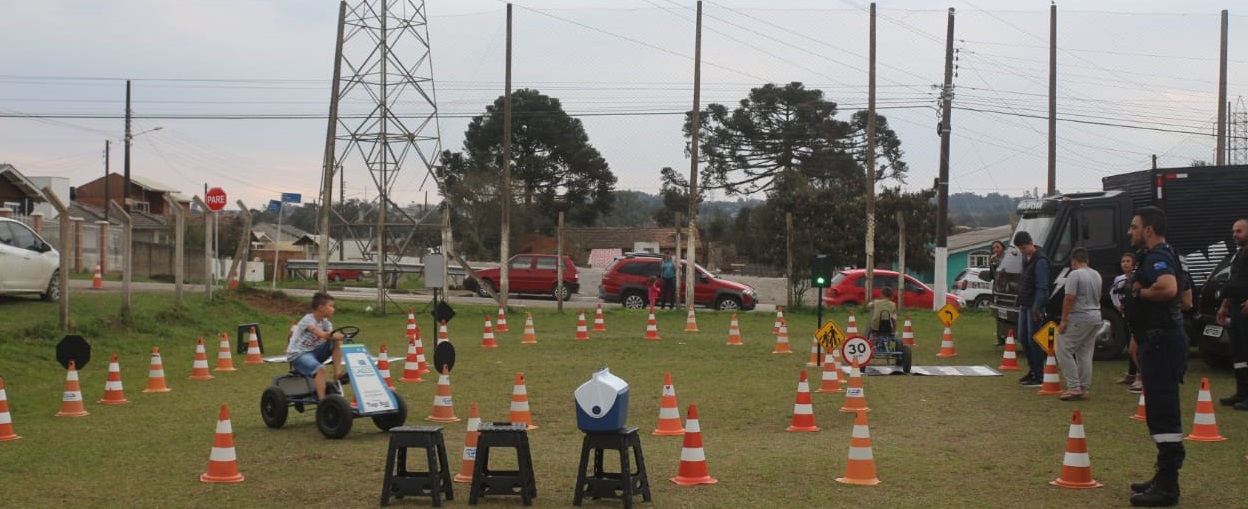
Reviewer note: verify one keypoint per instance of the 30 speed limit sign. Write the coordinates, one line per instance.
(857, 351)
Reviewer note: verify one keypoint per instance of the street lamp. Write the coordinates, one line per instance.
(125, 193)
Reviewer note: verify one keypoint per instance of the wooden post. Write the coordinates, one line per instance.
(901, 260)
(67, 236)
(127, 259)
(78, 236)
(207, 249)
(179, 250)
(695, 138)
(240, 253)
(559, 265)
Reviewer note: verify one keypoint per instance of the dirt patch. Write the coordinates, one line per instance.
(273, 304)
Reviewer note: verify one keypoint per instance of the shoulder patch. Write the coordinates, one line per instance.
(1160, 265)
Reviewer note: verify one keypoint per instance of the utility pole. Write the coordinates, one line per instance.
(901, 260)
(1052, 189)
(870, 277)
(328, 162)
(691, 272)
(504, 246)
(942, 182)
(1221, 150)
(125, 190)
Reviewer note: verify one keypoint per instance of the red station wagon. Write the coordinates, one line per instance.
(531, 274)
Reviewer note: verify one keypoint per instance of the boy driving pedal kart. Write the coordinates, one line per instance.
(882, 311)
(312, 342)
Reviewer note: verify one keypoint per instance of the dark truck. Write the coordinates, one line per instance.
(1201, 204)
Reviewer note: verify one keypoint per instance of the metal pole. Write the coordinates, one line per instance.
(691, 272)
(942, 182)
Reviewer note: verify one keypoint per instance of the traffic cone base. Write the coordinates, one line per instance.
(860, 469)
(1076, 465)
(693, 470)
(222, 463)
(1205, 426)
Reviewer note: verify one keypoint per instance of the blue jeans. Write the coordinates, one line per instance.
(311, 361)
(1036, 356)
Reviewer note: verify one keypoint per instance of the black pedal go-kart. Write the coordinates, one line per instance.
(886, 345)
(335, 414)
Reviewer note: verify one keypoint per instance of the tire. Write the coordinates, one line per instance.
(273, 407)
(1111, 345)
(567, 293)
(337, 278)
(53, 293)
(982, 302)
(634, 300)
(333, 417)
(481, 291)
(727, 303)
(386, 422)
(359, 276)
(906, 360)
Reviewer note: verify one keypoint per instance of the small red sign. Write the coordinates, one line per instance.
(215, 199)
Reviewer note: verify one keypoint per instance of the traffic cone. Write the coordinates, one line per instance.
(253, 349)
(1205, 427)
(803, 410)
(860, 469)
(691, 322)
(946, 345)
(114, 394)
(582, 330)
(222, 463)
(734, 332)
(487, 337)
(470, 444)
(851, 325)
(1141, 414)
(411, 324)
(383, 365)
(421, 365)
(530, 335)
(412, 365)
(669, 413)
(443, 404)
(775, 328)
(233, 283)
(1076, 466)
(442, 334)
(97, 279)
(501, 323)
(907, 333)
(836, 362)
(519, 411)
(652, 327)
(199, 370)
(855, 395)
(156, 374)
(814, 352)
(6, 420)
(693, 469)
(225, 362)
(600, 325)
(1052, 384)
(1009, 358)
(71, 399)
(831, 381)
(782, 339)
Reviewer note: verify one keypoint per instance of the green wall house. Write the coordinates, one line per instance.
(974, 248)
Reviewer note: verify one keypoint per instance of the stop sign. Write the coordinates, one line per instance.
(215, 199)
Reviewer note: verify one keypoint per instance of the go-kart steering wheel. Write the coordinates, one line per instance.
(348, 332)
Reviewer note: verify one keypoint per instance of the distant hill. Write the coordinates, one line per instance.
(637, 209)
(973, 210)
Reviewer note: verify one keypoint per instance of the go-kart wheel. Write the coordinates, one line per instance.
(333, 416)
(905, 359)
(273, 407)
(392, 420)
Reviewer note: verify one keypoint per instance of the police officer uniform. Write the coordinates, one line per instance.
(1236, 292)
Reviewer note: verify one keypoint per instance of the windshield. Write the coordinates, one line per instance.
(1009, 272)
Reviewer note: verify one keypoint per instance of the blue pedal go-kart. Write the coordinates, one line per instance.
(886, 345)
(334, 414)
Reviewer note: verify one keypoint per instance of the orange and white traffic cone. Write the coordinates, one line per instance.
(222, 462)
(114, 394)
(734, 332)
(253, 349)
(412, 365)
(803, 409)
(1052, 384)
(97, 279)
(1141, 413)
(851, 325)
(582, 329)
(6, 420)
(775, 328)
(442, 334)
(233, 281)
(530, 335)
(836, 362)
(470, 444)
(831, 381)
(782, 339)
(156, 373)
(1009, 358)
(519, 411)
(691, 321)
(411, 324)
(652, 327)
(907, 333)
(500, 324)
(814, 352)
(199, 370)
(855, 395)
(443, 403)
(225, 361)
(383, 365)
(487, 336)
(693, 469)
(1076, 465)
(669, 413)
(1205, 427)
(71, 399)
(600, 325)
(946, 345)
(860, 469)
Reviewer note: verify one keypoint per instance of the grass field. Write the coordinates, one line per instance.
(939, 442)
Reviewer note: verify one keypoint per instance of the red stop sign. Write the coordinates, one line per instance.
(215, 199)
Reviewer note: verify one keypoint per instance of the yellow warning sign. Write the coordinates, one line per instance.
(1046, 336)
(830, 336)
(948, 314)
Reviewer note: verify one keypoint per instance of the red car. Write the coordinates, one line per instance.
(847, 288)
(532, 274)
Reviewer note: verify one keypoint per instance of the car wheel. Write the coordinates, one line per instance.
(982, 302)
(727, 303)
(567, 293)
(481, 288)
(359, 276)
(634, 300)
(53, 293)
(337, 278)
(333, 416)
(385, 422)
(273, 407)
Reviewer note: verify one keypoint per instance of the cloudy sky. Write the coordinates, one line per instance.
(240, 88)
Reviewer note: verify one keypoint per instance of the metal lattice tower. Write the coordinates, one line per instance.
(1237, 144)
(386, 118)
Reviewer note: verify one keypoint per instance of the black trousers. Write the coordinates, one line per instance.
(668, 297)
(1163, 361)
(1238, 333)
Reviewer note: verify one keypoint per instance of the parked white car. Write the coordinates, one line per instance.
(975, 291)
(28, 264)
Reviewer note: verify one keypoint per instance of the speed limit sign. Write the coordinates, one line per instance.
(857, 351)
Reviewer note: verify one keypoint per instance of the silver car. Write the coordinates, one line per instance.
(28, 264)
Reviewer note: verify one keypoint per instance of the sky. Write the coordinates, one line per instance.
(239, 89)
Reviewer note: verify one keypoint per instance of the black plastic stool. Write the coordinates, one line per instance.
(400, 482)
(503, 482)
(624, 484)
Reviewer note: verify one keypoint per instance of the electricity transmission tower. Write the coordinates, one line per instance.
(1237, 134)
(383, 123)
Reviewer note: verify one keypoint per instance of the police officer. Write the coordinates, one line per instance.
(1152, 308)
(1234, 311)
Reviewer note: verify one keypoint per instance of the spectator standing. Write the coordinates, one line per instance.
(1076, 332)
(1234, 313)
(1117, 289)
(668, 272)
(1033, 296)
